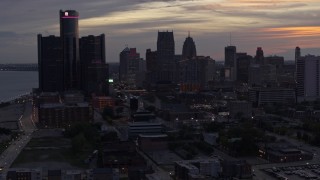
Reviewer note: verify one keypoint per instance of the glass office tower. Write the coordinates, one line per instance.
(69, 33)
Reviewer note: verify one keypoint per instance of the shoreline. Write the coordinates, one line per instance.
(16, 99)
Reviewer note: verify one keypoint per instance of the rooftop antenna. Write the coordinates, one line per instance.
(230, 39)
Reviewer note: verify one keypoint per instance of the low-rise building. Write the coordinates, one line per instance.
(144, 128)
(193, 169)
(281, 152)
(104, 174)
(100, 102)
(73, 97)
(236, 169)
(260, 96)
(57, 115)
(153, 142)
(54, 174)
(24, 173)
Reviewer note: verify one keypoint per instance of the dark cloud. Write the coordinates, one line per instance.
(209, 23)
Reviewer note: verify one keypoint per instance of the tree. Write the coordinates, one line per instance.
(299, 135)
(305, 137)
(107, 111)
(78, 143)
(100, 159)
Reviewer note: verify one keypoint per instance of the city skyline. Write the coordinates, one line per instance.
(276, 26)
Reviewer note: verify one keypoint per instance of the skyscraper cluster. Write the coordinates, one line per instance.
(187, 71)
(131, 67)
(69, 63)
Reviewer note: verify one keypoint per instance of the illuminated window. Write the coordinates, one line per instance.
(66, 13)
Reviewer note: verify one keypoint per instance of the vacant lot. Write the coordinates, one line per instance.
(48, 152)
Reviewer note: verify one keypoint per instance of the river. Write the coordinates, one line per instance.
(16, 83)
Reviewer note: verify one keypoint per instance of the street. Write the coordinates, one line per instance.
(11, 153)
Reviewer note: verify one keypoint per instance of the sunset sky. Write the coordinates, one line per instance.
(278, 26)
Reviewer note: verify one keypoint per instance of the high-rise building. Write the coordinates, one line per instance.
(195, 73)
(189, 48)
(243, 64)
(259, 58)
(297, 53)
(94, 70)
(230, 56)
(167, 64)
(230, 63)
(50, 64)
(151, 64)
(131, 65)
(60, 66)
(69, 34)
(262, 75)
(123, 67)
(278, 61)
(307, 78)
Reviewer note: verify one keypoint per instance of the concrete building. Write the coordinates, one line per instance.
(243, 64)
(144, 128)
(230, 63)
(72, 175)
(259, 58)
(281, 152)
(149, 143)
(151, 63)
(61, 115)
(236, 169)
(131, 66)
(262, 75)
(230, 54)
(104, 174)
(189, 50)
(190, 169)
(24, 174)
(162, 65)
(196, 73)
(73, 97)
(54, 174)
(307, 78)
(261, 96)
(277, 61)
(100, 102)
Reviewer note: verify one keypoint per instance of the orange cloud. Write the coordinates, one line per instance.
(292, 32)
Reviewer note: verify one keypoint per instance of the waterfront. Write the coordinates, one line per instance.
(17, 83)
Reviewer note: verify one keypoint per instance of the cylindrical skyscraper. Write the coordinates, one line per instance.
(69, 33)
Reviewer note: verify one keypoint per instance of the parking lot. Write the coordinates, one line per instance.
(308, 171)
